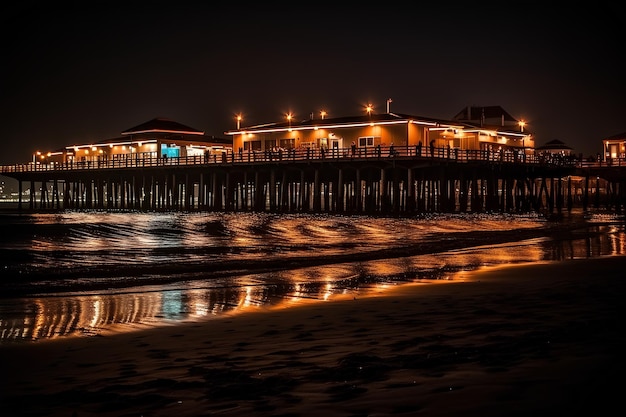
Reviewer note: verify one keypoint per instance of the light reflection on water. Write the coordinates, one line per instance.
(71, 241)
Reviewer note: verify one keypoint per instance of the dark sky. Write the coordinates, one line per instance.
(78, 72)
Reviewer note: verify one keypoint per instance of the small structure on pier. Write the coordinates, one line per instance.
(615, 147)
(555, 147)
(156, 138)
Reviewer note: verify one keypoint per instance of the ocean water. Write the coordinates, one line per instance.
(79, 274)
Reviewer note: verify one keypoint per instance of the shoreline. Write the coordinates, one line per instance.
(508, 340)
(19, 282)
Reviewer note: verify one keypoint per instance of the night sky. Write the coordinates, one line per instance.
(86, 71)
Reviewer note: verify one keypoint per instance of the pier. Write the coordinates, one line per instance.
(402, 180)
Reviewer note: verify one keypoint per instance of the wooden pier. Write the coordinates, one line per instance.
(405, 182)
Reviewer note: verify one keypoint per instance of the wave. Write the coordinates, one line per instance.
(86, 252)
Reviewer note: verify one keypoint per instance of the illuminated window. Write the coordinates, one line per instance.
(253, 145)
(368, 141)
(287, 143)
(171, 152)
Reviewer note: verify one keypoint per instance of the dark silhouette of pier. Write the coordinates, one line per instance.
(368, 181)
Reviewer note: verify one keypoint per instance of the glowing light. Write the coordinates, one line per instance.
(336, 126)
(323, 114)
(111, 144)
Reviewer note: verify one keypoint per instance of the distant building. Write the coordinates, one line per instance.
(615, 147)
(555, 147)
(554, 150)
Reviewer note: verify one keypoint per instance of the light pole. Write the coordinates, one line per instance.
(323, 114)
(521, 127)
(388, 103)
(238, 121)
(369, 109)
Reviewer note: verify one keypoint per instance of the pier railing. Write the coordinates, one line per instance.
(302, 154)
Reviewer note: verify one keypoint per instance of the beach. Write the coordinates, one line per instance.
(543, 338)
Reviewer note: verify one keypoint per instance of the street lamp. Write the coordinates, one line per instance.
(323, 114)
(239, 118)
(388, 102)
(289, 116)
(36, 156)
(369, 109)
(521, 127)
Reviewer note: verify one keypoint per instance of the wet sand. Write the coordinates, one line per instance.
(534, 339)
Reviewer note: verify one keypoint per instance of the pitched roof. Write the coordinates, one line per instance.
(482, 113)
(347, 120)
(162, 125)
(619, 136)
(552, 145)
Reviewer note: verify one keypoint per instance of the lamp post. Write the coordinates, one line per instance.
(369, 109)
(388, 103)
(521, 124)
(323, 114)
(239, 118)
(36, 157)
(289, 119)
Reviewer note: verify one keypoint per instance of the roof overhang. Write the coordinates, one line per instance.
(110, 144)
(268, 129)
(180, 132)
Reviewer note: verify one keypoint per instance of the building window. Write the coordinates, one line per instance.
(287, 143)
(170, 151)
(368, 141)
(253, 145)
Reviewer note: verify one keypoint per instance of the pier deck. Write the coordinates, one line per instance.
(369, 180)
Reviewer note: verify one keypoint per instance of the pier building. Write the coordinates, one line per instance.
(156, 138)
(474, 128)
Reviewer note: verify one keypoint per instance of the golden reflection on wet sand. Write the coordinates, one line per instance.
(80, 315)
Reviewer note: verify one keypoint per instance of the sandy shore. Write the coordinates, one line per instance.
(525, 340)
